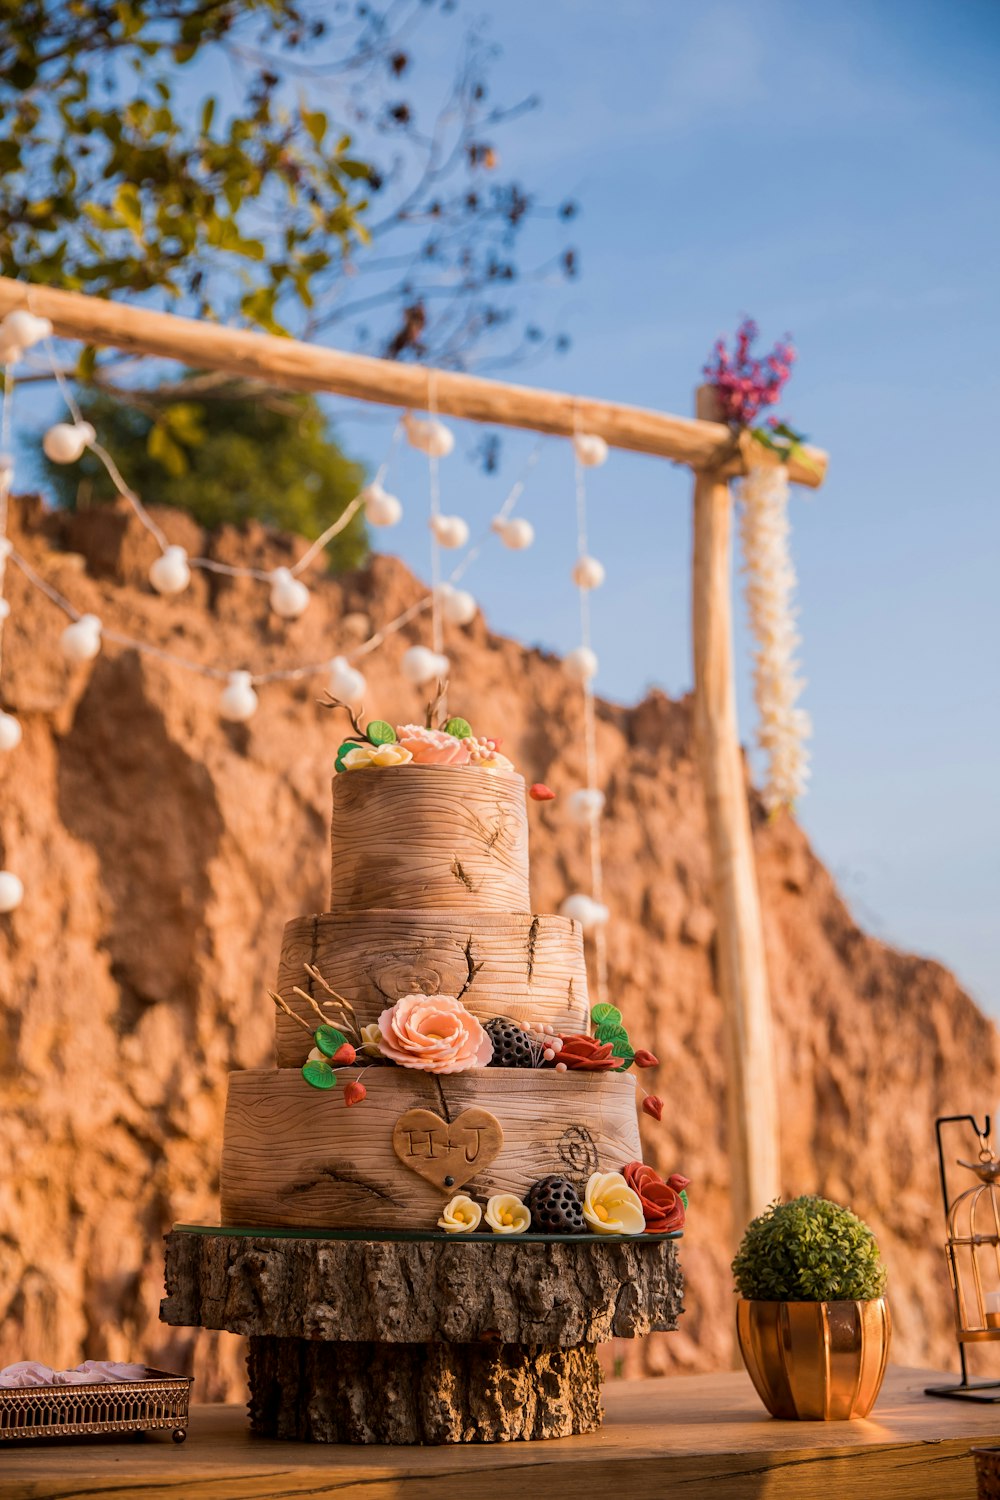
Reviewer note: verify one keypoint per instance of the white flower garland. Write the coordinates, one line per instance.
(770, 584)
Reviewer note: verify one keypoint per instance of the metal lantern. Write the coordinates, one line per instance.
(973, 1251)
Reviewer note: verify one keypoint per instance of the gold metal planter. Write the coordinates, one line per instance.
(815, 1361)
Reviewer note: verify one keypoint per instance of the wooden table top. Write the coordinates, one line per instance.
(687, 1436)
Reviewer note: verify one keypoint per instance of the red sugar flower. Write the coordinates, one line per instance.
(652, 1105)
(587, 1054)
(661, 1203)
(354, 1092)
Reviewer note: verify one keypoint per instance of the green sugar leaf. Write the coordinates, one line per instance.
(381, 733)
(626, 1052)
(319, 1074)
(606, 1015)
(616, 1035)
(345, 747)
(683, 1196)
(460, 728)
(328, 1039)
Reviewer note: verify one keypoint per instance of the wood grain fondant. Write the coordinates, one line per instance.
(507, 964)
(297, 1156)
(429, 837)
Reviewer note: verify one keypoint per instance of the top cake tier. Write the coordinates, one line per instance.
(429, 837)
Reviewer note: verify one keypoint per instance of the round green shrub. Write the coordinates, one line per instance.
(808, 1250)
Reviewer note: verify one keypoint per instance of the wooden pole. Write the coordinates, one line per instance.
(293, 365)
(742, 970)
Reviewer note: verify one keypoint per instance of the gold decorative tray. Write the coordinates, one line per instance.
(158, 1401)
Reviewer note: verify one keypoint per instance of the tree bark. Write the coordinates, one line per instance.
(420, 1393)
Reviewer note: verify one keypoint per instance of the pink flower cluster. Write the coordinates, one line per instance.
(745, 384)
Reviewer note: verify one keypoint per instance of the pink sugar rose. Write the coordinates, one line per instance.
(434, 1033)
(432, 747)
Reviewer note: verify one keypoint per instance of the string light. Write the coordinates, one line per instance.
(289, 596)
(381, 508)
(10, 731)
(81, 641)
(170, 573)
(11, 891)
(238, 701)
(420, 665)
(581, 664)
(67, 442)
(517, 534)
(346, 682)
(458, 606)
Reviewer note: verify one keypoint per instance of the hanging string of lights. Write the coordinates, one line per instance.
(85, 635)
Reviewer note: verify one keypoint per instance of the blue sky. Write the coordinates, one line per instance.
(835, 172)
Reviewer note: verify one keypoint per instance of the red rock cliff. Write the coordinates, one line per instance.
(163, 850)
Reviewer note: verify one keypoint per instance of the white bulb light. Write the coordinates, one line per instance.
(21, 329)
(67, 441)
(588, 573)
(11, 891)
(238, 701)
(585, 910)
(170, 573)
(381, 508)
(580, 664)
(515, 534)
(450, 531)
(590, 449)
(6, 470)
(585, 805)
(81, 641)
(289, 595)
(4, 609)
(458, 606)
(420, 665)
(346, 682)
(10, 732)
(431, 437)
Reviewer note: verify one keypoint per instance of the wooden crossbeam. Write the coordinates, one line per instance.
(293, 365)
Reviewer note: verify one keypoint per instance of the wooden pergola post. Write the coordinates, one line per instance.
(705, 445)
(753, 1125)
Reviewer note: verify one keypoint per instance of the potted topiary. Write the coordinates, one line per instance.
(812, 1322)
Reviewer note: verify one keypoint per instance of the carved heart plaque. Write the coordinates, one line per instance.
(447, 1155)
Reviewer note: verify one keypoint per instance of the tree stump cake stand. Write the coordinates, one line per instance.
(360, 1338)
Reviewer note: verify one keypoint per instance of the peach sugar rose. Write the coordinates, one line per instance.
(432, 747)
(434, 1033)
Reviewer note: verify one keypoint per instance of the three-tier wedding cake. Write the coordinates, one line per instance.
(436, 1053)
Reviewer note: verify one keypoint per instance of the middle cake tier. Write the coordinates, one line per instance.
(530, 968)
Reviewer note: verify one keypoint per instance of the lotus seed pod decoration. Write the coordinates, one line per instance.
(11, 891)
(381, 508)
(458, 606)
(238, 701)
(588, 573)
(170, 573)
(289, 595)
(580, 664)
(590, 449)
(517, 533)
(450, 531)
(346, 682)
(10, 732)
(21, 329)
(81, 641)
(585, 910)
(585, 805)
(66, 442)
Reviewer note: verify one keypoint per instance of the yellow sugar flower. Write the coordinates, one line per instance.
(506, 1214)
(366, 757)
(371, 1040)
(461, 1216)
(610, 1206)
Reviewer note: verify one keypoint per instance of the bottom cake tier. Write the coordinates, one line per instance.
(299, 1157)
